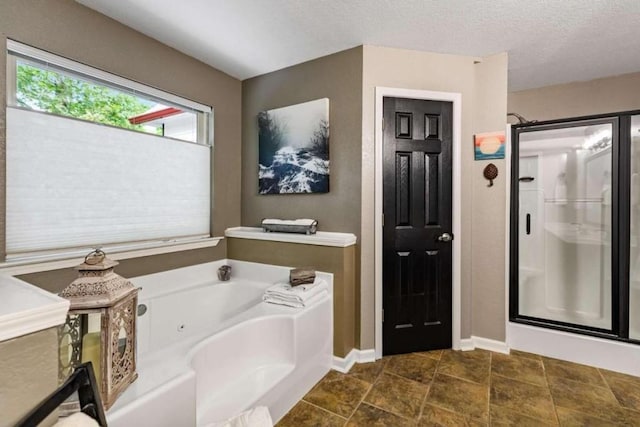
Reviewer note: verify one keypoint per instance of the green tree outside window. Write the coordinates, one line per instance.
(56, 93)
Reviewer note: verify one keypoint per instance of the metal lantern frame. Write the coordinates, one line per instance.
(98, 290)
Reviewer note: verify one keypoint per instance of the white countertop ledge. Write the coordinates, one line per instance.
(25, 309)
(321, 238)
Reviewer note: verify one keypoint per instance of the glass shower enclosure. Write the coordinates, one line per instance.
(575, 218)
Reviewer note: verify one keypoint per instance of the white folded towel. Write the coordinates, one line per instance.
(258, 417)
(78, 419)
(289, 302)
(295, 296)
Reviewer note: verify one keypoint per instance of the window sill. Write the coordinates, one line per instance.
(57, 262)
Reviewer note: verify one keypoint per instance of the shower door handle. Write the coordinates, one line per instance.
(445, 237)
(528, 223)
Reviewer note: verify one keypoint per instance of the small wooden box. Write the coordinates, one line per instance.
(302, 276)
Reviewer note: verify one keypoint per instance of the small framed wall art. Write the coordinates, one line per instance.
(489, 145)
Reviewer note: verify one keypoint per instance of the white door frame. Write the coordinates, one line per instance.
(456, 99)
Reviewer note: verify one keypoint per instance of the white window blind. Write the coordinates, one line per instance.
(75, 184)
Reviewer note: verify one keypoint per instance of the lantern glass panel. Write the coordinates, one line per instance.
(79, 340)
(91, 344)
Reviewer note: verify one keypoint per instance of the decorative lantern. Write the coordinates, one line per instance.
(101, 326)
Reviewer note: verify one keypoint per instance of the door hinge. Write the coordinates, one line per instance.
(383, 220)
(383, 315)
(383, 124)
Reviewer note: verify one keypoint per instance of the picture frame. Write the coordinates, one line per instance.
(294, 149)
(490, 145)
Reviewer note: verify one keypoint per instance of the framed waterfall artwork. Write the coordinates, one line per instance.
(489, 145)
(294, 149)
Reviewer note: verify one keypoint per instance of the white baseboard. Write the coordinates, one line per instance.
(344, 364)
(491, 345)
(468, 344)
(601, 353)
(367, 356)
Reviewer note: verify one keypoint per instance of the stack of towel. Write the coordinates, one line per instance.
(298, 296)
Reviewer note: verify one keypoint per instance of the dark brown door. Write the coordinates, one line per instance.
(417, 225)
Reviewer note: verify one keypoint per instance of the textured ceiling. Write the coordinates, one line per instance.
(548, 41)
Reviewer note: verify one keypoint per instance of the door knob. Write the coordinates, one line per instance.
(445, 237)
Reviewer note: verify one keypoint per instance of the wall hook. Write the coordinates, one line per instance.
(490, 172)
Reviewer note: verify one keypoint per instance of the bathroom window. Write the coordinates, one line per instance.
(94, 159)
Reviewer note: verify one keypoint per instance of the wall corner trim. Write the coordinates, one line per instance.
(468, 344)
(344, 364)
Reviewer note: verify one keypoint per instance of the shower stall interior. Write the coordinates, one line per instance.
(575, 218)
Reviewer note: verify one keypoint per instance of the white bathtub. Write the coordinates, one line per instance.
(208, 350)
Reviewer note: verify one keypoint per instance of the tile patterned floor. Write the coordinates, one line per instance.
(475, 388)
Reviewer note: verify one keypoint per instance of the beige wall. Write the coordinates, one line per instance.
(448, 73)
(488, 209)
(66, 28)
(28, 373)
(607, 95)
(339, 261)
(28, 365)
(483, 85)
(339, 78)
